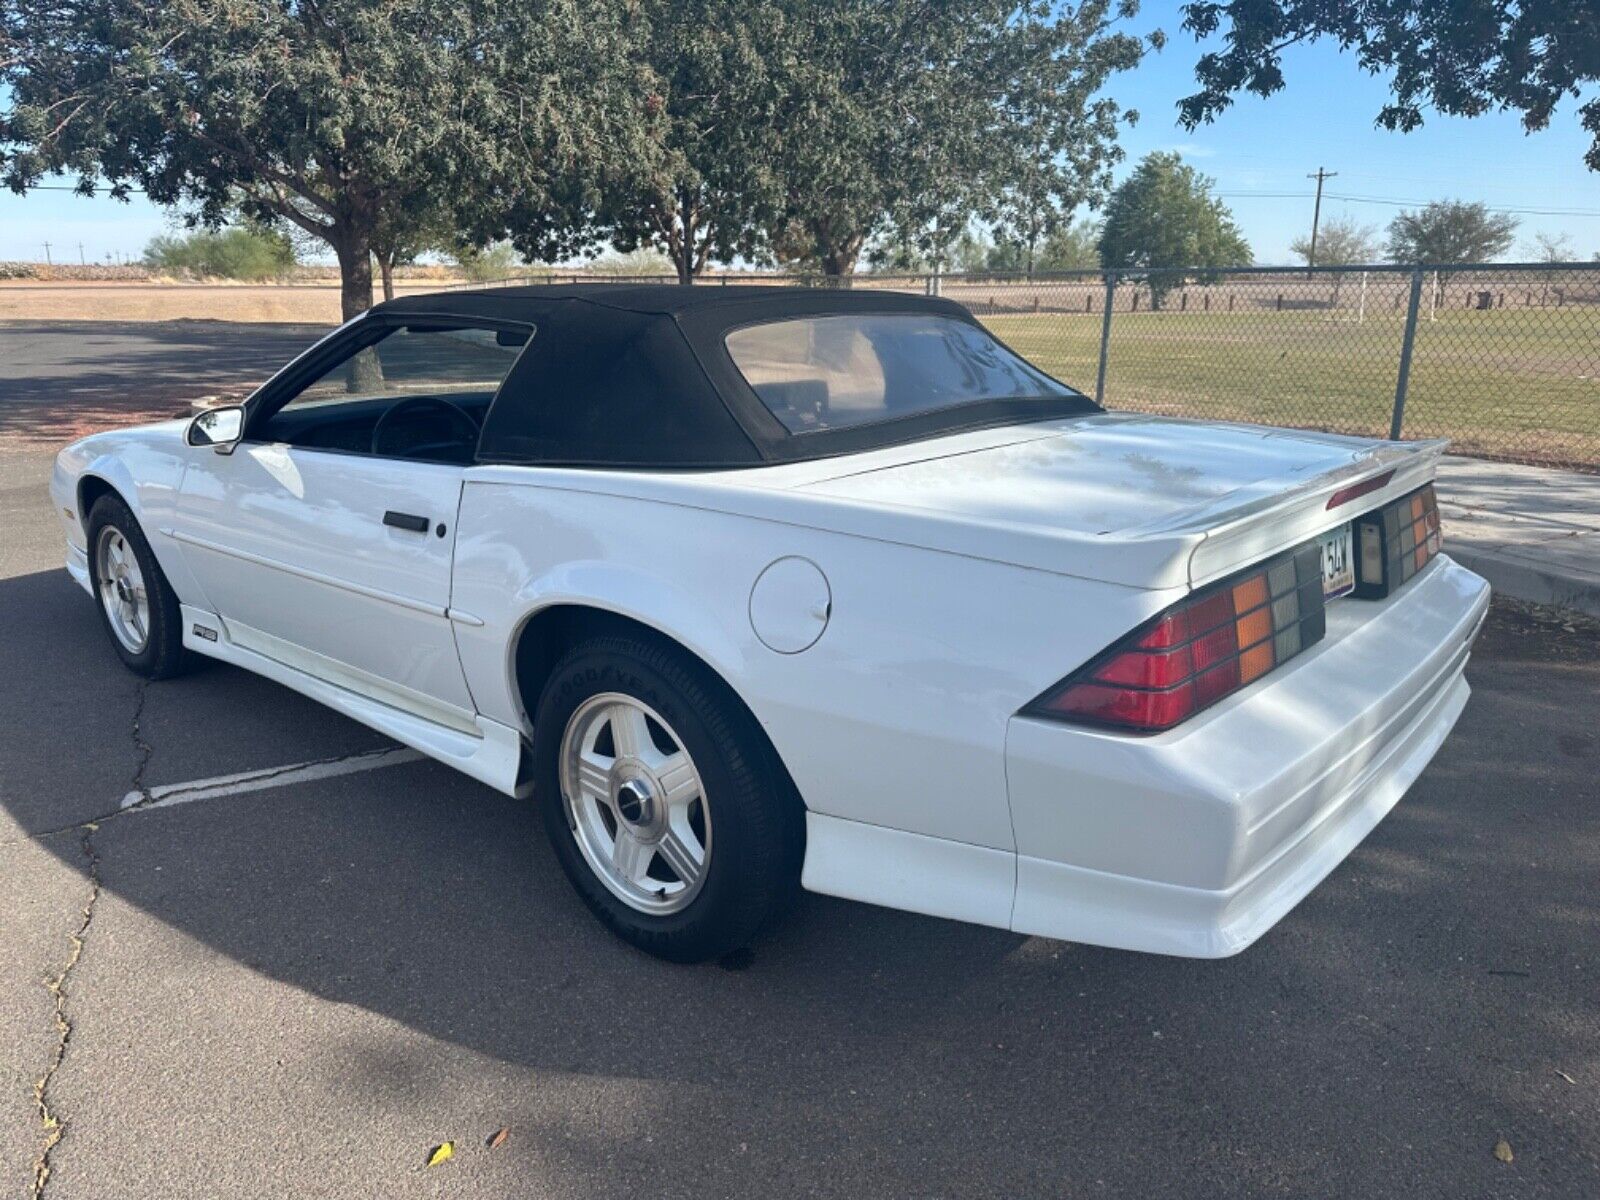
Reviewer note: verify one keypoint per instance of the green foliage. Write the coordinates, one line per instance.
(707, 182)
(1073, 247)
(223, 254)
(644, 262)
(488, 263)
(1463, 58)
(1341, 242)
(1164, 217)
(356, 121)
(905, 120)
(969, 252)
(1450, 231)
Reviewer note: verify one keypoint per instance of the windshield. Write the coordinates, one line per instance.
(818, 373)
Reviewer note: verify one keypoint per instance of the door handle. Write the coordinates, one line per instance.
(400, 520)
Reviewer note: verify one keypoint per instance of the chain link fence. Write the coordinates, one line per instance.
(1502, 360)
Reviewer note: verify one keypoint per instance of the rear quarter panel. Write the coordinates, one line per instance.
(896, 716)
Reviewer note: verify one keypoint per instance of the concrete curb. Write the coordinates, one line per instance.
(1523, 581)
(1532, 532)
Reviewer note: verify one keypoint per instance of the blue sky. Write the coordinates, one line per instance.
(1259, 152)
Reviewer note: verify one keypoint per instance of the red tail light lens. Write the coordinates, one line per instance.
(1213, 642)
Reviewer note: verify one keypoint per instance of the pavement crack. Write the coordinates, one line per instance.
(52, 1126)
(142, 747)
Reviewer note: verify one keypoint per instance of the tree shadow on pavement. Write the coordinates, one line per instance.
(1411, 1011)
(60, 380)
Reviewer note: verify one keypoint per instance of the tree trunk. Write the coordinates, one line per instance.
(354, 251)
(838, 255)
(386, 270)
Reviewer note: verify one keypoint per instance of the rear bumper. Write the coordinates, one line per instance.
(1197, 841)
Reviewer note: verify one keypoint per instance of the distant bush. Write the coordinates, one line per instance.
(223, 254)
(635, 262)
(498, 261)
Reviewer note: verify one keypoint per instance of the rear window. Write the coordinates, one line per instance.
(818, 373)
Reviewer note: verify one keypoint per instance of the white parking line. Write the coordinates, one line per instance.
(170, 794)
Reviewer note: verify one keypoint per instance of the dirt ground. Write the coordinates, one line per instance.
(317, 303)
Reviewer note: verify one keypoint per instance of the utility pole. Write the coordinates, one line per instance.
(82, 262)
(1316, 214)
(47, 261)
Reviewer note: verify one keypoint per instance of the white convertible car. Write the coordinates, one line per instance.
(761, 588)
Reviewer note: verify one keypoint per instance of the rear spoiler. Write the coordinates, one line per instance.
(1240, 534)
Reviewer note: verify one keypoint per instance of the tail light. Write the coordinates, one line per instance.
(1209, 645)
(1394, 542)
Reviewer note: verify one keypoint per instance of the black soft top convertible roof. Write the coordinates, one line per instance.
(639, 375)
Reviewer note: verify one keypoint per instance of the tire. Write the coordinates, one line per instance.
(747, 821)
(148, 638)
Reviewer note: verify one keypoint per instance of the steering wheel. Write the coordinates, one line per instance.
(464, 422)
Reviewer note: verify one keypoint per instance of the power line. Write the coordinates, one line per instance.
(1397, 203)
(1316, 213)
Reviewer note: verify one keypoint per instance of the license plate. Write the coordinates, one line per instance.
(1338, 562)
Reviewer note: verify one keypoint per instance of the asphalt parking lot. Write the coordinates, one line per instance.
(302, 989)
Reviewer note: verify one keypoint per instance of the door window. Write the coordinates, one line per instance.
(416, 392)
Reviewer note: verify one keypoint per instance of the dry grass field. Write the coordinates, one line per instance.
(64, 300)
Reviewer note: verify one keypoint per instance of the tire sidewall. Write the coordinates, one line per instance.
(713, 917)
(159, 651)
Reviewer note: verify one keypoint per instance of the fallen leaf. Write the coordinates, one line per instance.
(1502, 1151)
(445, 1151)
(499, 1137)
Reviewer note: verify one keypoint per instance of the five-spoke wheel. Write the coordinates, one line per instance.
(635, 803)
(662, 797)
(121, 586)
(137, 604)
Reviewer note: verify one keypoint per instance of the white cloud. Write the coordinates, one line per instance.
(1191, 150)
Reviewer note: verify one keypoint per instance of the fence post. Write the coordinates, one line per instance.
(1406, 344)
(1105, 339)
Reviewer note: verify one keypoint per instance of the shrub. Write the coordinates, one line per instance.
(223, 254)
(497, 261)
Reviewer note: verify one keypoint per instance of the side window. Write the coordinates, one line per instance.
(418, 392)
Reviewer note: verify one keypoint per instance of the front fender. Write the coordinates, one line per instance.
(145, 467)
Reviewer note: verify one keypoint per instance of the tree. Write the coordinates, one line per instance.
(642, 263)
(1074, 247)
(1070, 247)
(1463, 58)
(1341, 242)
(351, 120)
(970, 252)
(1551, 248)
(1164, 218)
(707, 185)
(1450, 231)
(907, 120)
(485, 264)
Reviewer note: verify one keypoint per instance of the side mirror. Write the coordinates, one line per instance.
(219, 428)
